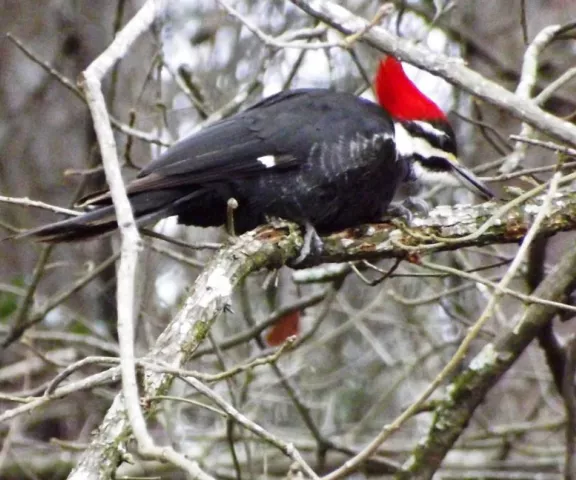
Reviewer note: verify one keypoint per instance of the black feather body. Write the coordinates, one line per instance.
(312, 156)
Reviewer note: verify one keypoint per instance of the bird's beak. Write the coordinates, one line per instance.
(471, 181)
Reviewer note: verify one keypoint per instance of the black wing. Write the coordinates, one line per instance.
(241, 145)
(260, 138)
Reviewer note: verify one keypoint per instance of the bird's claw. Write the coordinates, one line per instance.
(418, 205)
(407, 208)
(398, 210)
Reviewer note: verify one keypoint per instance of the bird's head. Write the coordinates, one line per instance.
(422, 132)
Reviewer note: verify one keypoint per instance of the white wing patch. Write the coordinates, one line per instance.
(268, 161)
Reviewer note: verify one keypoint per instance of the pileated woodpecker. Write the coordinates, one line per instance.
(324, 159)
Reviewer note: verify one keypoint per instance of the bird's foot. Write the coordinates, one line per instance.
(418, 205)
(407, 208)
(398, 210)
(312, 247)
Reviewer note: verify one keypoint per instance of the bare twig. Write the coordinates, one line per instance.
(175, 255)
(549, 145)
(180, 243)
(73, 338)
(528, 171)
(288, 448)
(497, 287)
(128, 130)
(257, 329)
(17, 326)
(282, 43)
(84, 384)
(524, 90)
(26, 202)
(20, 327)
(555, 85)
(502, 148)
(523, 21)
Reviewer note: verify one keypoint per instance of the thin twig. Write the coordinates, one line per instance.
(524, 90)
(281, 43)
(32, 404)
(257, 329)
(503, 290)
(20, 327)
(548, 145)
(528, 171)
(287, 448)
(26, 202)
(555, 85)
(485, 127)
(523, 21)
(147, 137)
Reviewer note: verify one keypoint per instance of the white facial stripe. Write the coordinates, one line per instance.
(268, 161)
(430, 129)
(407, 145)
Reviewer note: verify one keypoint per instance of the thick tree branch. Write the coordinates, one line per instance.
(457, 226)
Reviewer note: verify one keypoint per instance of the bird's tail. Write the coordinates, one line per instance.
(83, 227)
(147, 207)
